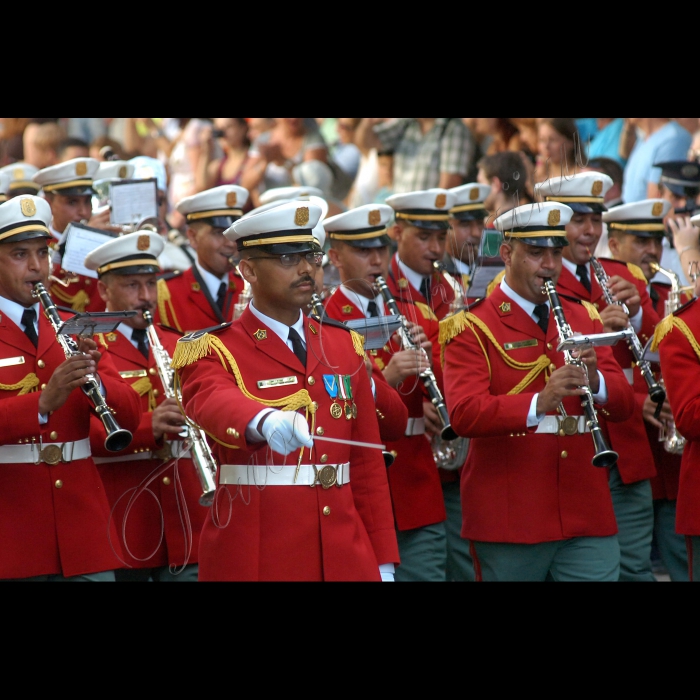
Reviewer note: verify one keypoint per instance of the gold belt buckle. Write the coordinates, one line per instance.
(51, 454)
(326, 477)
(569, 425)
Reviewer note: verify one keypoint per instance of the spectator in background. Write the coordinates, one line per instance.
(690, 124)
(694, 150)
(614, 140)
(385, 176)
(529, 137)
(505, 173)
(659, 139)
(258, 126)
(277, 151)
(105, 148)
(86, 129)
(428, 152)
(496, 135)
(229, 137)
(72, 147)
(344, 157)
(558, 148)
(11, 130)
(40, 142)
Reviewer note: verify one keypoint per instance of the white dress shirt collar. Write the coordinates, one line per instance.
(361, 301)
(212, 281)
(14, 312)
(281, 329)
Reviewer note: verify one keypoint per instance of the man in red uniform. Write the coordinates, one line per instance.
(205, 294)
(21, 182)
(159, 529)
(535, 508)
(54, 514)
(303, 492)
(635, 237)
(629, 478)
(67, 187)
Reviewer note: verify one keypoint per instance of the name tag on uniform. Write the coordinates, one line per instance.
(521, 344)
(11, 361)
(281, 381)
(133, 373)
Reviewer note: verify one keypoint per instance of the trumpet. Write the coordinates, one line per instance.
(656, 391)
(202, 457)
(117, 438)
(604, 456)
(429, 381)
(674, 442)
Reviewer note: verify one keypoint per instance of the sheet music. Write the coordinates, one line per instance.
(132, 201)
(81, 240)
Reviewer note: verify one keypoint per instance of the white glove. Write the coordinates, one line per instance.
(286, 432)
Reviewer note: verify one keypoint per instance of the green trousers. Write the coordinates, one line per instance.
(459, 561)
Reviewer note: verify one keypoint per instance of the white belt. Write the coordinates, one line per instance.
(175, 447)
(325, 475)
(629, 373)
(47, 452)
(553, 424)
(415, 426)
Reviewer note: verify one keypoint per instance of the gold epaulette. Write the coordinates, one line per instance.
(358, 342)
(426, 311)
(592, 311)
(451, 327)
(25, 385)
(78, 301)
(190, 348)
(636, 272)
(495, 282)
(663, 328)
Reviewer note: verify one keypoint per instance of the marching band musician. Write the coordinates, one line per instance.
(534, 506)
(205, 294)
(21, 182)
(637, 237)
(54, 514)
(4, 186)
(630, 478)
(67, 187)
(268, 389)
(160, 533)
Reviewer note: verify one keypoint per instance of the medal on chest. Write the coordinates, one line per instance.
(339, 386)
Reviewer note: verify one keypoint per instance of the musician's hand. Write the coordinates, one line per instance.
(614, 318)
(626, 292)
(404, 364)
(167, 418)
(101, 221)
(433, 424)
(89, 347)
(69, 375)
(685, 235)
(665, 417)
(564, 381)
(590, 358)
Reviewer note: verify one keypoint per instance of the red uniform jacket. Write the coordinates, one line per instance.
(182, 303)
(391, 410)
(677, 338)
(628, 438)
(289, 532)
(161, 508)
(81, 294)
(518, 485)
(53, 519)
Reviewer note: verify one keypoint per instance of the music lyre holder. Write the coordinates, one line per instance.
(376, 331)
(594, 340)
(88, 323)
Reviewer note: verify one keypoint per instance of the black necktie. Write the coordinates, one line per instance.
(28, 318)
(372, 309)
(221, 296)
(542, 313)
(139, 335)
(654, 296)
(425, 288)
(298, 346)
(582, 272)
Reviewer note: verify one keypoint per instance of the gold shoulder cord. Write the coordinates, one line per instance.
(163, 299)
(78, 302)
(637, 272)
(25, 385)
(454, 325)
(143, 386)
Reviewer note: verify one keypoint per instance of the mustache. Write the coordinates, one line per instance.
(304, 280)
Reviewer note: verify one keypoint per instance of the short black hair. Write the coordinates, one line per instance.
(71, 141)
(609, 167)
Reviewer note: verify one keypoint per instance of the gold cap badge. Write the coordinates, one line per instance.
(374, 217)
(81, 168)
(474, 193)
(657, 209)
(553, 218)
(260, 334)
(143, 243)
(301, 216)
(231, 199)
(28, 207)
(505, 307)
(122, 171)
(440, 201)
(18, 173)
(597, 188)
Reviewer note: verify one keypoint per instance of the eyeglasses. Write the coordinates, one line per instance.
(293, 259)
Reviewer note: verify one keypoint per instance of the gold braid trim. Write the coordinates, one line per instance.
(666, 326)
(358, 342)
(25, 385)
(163, 299)
(663, 328)
(426, 311)
(540, 364)
(143, 386)
(495, 282)
(451, 327)
(637, 272)
(592, 311)
(78, 302)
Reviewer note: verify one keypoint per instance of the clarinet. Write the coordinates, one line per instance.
(656, 391)
(117, 438)
(201, 454)
(447, 432)
(316, 305)
(604, 456)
